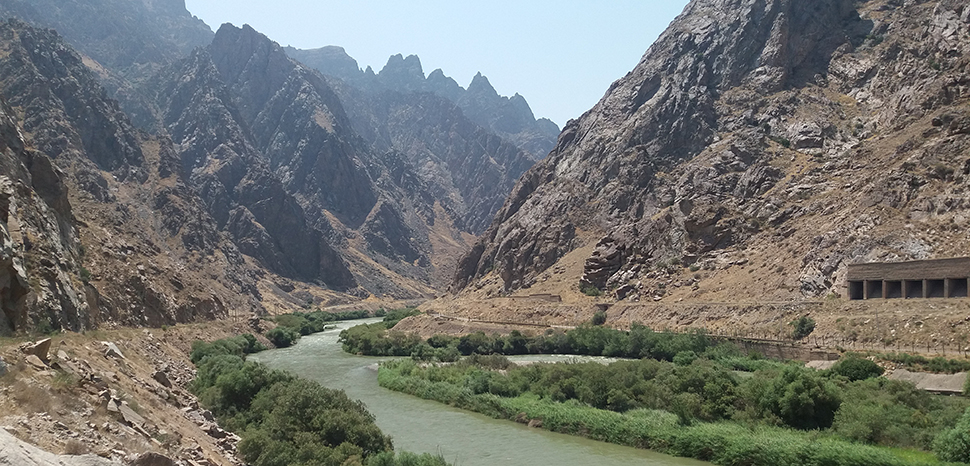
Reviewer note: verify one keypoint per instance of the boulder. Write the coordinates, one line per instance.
(3, 368)
(35, 362)
(39, 348)
(606, 260)
(112, 351)
(162, 378)
(152, 459)
(130, 416)
(255, 324)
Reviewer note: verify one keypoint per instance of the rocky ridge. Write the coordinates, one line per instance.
(135, 39)
(731, 157)
(510, 118)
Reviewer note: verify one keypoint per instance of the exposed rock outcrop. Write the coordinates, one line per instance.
(13, 451)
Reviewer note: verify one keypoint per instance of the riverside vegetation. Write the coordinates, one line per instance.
(684, 394)
(290, 327)
(284, 420)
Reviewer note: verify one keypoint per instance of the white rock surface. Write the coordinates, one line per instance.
(14, 452)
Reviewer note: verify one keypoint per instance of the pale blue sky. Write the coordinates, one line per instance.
(560, 55)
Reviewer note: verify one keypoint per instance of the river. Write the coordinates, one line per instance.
(462, 437)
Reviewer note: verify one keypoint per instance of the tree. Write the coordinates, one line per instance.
(802, 327)
(282, 337)
(954, 444)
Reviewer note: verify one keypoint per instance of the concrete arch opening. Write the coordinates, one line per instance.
(939, 278)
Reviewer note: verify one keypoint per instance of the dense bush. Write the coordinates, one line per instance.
(691, 393)
(638, 342)
(802, 327)
(954, 444)
(393, 317)
(856, 368)
(922, 363)
(406, 459)
(290, 327)
(283, 419)
(237, 346)
(894, 413)
(799, 397)
(282, 337)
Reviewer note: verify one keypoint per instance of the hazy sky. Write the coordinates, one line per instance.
(560, 55)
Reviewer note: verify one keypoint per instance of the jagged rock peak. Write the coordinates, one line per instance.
(143, 33)
(509, 118)
(403, 71)
(481, 86)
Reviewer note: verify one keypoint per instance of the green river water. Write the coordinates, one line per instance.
(462, 437)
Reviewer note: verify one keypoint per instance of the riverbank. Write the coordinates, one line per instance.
(461, 436)
(500, 395)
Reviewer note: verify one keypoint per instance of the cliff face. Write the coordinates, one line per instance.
(468, 169)
(235, 182)
(280, 167)
(800, 136)
(99, 224)
(455, 139)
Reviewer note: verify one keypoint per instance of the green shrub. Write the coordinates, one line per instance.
(799, 397)
(393, 317)
(599, 318)
(283, 419)
(857, 368)
(720, 443)
(685, 358)
(406, 459)
(802, 327)
(954, 444)
(589, 289)
(236, 346)
(282, 337)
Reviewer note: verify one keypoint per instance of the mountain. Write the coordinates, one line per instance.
(270, 142)
(124, 42)
(240, 191)
(755, 151)
(468, 169)
(99, 224)
(510, 118)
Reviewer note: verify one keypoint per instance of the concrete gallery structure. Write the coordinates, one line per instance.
(939, 278)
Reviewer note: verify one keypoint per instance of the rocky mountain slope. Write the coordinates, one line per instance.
(276, 157)
(317, 182)
(755, 151)
(510, 118)
(124, 42)
(468, 163)
(100, 226)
